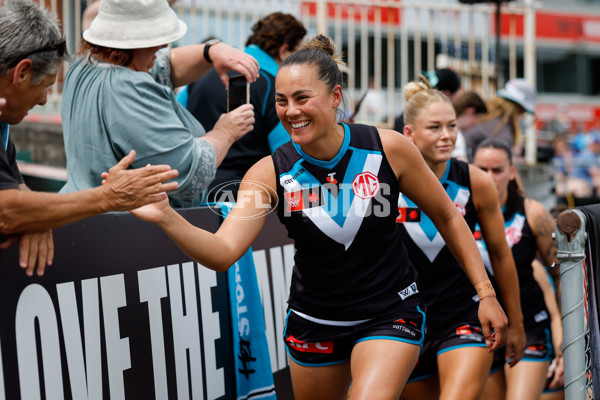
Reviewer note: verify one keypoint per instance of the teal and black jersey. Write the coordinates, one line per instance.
(523, 245)
(446, 289)
(350, 262)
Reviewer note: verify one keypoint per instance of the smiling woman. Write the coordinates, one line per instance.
(355, 313)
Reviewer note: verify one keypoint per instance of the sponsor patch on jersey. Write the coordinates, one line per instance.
(303, 199)
(469, 332)
(541, 316)
(317, 347)
(365, 185)
(403, 325)
(513, 235)
(408, 214)
(403, 321)
(461, 208)
(408, 291)
(539, 350)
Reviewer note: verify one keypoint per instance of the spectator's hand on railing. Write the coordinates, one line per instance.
(126, 189)
(236, 123)
(36, 248)
(226, 58)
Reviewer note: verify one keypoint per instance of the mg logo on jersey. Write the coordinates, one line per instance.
(461, 208)
(365, 185)
(513, 235)
(317, 347)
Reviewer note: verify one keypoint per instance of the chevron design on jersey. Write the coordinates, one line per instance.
(513, 231)
(341, 216)
(423, 232)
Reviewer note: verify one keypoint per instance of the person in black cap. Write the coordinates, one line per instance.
(445, 80)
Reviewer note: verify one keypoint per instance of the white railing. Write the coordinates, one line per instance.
(377, 38)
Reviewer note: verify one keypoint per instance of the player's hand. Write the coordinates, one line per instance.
(493, 322)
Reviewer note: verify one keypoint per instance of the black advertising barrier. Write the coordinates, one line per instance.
(124, 314)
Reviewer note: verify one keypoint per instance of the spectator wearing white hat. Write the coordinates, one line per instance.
(119, 95)
(503, 119)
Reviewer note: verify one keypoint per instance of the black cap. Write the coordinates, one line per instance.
(447, 80)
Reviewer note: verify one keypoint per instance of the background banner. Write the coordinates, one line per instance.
(124, 314)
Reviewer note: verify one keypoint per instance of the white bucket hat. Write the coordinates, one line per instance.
(520, 91)
(134, 24)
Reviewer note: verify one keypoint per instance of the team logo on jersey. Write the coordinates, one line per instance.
(303, 199)
(365, 185)
(317, 347)
(408, 214)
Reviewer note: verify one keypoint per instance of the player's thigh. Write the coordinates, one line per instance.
(422, 389)
(463, 372)
(526, 379)
(495, 386)
(320, 382)
(380, 368)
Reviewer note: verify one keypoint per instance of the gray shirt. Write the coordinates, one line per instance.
(488, 129)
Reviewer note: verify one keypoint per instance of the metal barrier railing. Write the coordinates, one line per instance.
(579, 304)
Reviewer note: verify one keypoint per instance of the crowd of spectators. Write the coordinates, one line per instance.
(577, 162)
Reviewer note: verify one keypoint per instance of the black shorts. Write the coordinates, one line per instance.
(538, 347)
(464, 334)
(315, 344)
